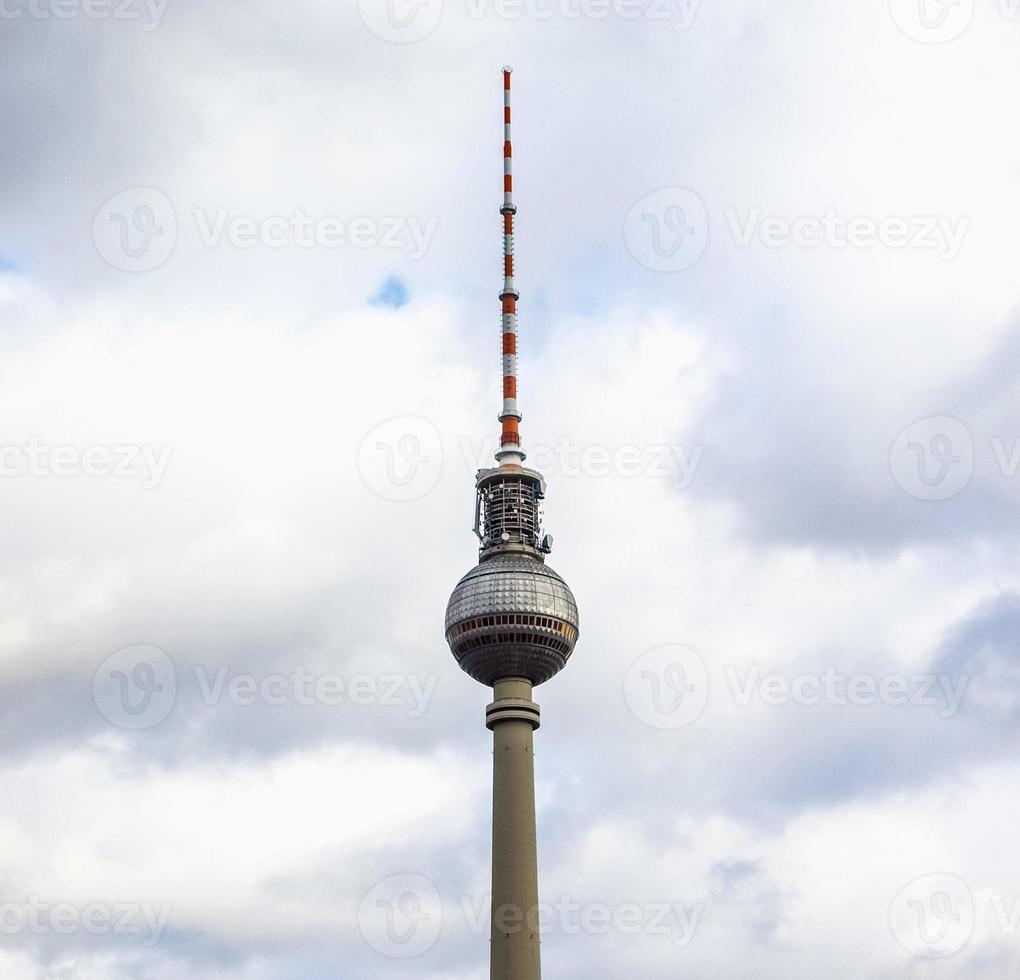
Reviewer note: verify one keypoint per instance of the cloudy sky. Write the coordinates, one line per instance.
(249, 260)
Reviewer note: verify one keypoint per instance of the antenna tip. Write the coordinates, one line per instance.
(507, 69)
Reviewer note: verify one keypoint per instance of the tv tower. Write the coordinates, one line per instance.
(512, 624)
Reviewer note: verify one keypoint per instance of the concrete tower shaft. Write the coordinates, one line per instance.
(514, 952)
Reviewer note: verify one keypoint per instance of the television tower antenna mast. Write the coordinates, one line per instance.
(510, 438)
(512, 624)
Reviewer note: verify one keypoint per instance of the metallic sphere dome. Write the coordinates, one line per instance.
(511, 616)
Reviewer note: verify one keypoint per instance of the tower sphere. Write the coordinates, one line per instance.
(511, 616)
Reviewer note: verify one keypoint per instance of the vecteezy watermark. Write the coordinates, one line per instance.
(35, 459)
(932, 21)
(933, 916)
(401, 458)
(402, 916)
(406, 21)
(299, 229)
(136, 230)
(569, 459)
(667, 230)
(401, 21)
(680, 13)
(942, 233)
(412, 692)
(136, 687)
(573, 918)
(933, 458)
(149, 13)
(837, 688)
(667, 687)
(938, 21)
(38, 918)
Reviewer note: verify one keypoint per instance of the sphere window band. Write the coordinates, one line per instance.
(483, 622)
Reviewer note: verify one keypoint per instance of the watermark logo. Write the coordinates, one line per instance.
(680, 13)
(35, 459)
(941, 233)
(933, 916)
(667, 230)
(401, 21)
(402, 916)
(136, 687)
(838, 689)
(136, 230)
(301, 230)
(932, 21)
(149, 13)
(674, 920)
(667, 687)
(142, 920)
(411, 693)
(402, 458)
(678, 464)
(933, 458)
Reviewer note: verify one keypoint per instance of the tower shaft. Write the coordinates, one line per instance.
(514, 952)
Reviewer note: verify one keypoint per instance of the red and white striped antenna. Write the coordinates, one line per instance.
(510, 441)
